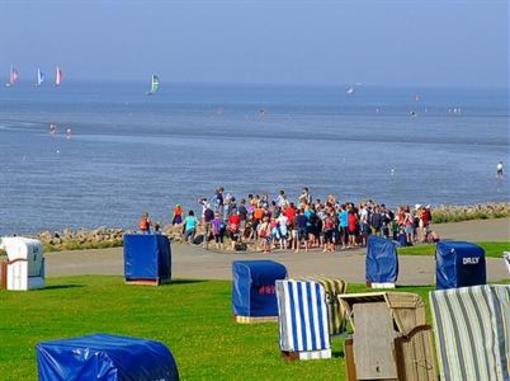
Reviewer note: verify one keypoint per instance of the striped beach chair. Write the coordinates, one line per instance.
(333, 287)
(303, 320)
(472, 332)
(506, 258)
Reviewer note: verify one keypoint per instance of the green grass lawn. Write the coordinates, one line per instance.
(193, 318)
(492, 249)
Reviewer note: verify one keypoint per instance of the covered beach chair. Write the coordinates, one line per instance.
(24, 268)
(506, 258)
(391, 339)
(459, 264)
(472, 332)
(303, 320)
(104, 357)
(147, 259)
(253, 290)
(381, 263)
(333, 287)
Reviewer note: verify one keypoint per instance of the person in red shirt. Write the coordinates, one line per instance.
(290, 212)
(234, 223)
(352, 220)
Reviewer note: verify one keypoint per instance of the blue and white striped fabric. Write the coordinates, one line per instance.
(472, 330)
(302, 316)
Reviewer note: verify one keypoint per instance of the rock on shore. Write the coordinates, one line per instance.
(104, 237)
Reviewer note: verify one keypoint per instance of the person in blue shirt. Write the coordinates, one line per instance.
(343, 224)
(190, 227)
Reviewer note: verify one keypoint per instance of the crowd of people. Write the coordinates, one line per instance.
(303, 224)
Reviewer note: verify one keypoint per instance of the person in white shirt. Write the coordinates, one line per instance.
(283, 232)
(499, 169)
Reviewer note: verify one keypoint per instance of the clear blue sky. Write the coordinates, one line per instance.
(399, 42)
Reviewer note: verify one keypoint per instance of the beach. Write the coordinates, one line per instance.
(193, 262)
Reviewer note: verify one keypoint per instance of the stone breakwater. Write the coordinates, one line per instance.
(104, 237)
(456, 213)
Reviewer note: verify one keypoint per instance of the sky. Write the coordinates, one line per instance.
(376, 42)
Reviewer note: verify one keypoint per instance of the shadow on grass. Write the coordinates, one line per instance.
(59, 286)
(337, 354)
(184, 281)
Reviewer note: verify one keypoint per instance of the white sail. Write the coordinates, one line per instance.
(59, 76)
(154, 85)
(40, 77)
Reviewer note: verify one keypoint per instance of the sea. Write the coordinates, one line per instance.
(90, 154)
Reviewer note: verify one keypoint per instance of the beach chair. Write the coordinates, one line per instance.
(381, 263)
(459, 264)
(303, 320)
(253, 290)
(391, 339)
(333, 287)
(472, 332)
(24, 268)
(506, 258)
(147, 259)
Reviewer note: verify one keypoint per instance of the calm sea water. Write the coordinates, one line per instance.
(129, 153)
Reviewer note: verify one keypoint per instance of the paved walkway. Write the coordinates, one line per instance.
(193, 262)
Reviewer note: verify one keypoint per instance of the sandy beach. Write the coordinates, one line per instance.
(193, 262)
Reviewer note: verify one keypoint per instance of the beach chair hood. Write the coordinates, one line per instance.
(147, 257)
(459, 264)
(381, 265)
(105, 358)
(253, 287)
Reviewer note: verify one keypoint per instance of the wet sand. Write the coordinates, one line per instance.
(193, 262)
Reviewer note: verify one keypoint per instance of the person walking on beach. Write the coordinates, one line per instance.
(144, 224)
(499, 169)
(190, 227)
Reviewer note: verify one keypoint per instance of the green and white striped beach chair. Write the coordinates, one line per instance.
(472, 332)
(336, 311)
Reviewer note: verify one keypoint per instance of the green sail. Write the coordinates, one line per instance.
(154, 84)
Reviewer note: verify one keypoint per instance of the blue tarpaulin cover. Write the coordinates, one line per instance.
(104, 357)
(381, 264)
(459, 264)
(253, 287)
(147, 256)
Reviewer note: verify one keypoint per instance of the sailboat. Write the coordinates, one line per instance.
(154, 85)
(13, 76)
(59, 76)
(40, 78)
